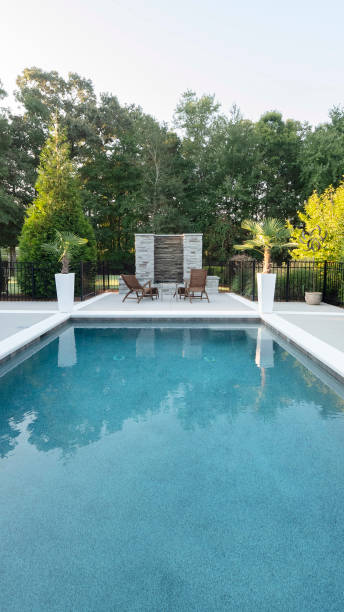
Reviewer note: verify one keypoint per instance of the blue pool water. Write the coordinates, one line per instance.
(164, 470)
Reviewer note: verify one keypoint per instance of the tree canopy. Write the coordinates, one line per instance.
(207, 172)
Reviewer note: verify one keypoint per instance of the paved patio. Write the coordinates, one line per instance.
(27, 306)
(301, 307)
(329, 329)
(220, 304)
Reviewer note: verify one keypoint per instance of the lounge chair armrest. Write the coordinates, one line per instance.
(147, 283)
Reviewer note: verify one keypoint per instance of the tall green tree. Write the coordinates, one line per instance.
(7, 204)
(163, 177)
(16, 175)
(322, 155)
(132, 182)
(111, 179)
(279, 143)
(57, 205)
(22, 137)
(198, 120)
(235, 179)
(44, 94)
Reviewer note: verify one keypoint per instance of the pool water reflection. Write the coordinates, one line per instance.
(170, 469)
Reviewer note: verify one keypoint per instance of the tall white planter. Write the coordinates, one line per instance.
(266, 292)
(65, 291)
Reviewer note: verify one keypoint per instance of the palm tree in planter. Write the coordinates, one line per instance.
(63, 246)
(266, 235)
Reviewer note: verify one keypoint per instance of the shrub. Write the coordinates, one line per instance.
(323, 222)
(235, 285)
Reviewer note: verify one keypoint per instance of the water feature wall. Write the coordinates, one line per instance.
(167, 257)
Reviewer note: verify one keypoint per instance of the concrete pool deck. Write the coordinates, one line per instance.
(12, 323)
(317, 330)
(221, 304)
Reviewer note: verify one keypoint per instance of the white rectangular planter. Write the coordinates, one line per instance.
(266, 292)
(65, 291)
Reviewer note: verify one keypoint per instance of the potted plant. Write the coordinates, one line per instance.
(63, 246)
(266, 235)
(313, 297)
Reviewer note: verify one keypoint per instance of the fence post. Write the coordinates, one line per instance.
(2, 278)
(325, 280)
(103, 275)
(253, 280)
(242, 278)
(33, 281)
(287, 283)
(81, 281)
(3, 283)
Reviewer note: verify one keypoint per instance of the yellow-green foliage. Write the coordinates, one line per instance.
(327, 211)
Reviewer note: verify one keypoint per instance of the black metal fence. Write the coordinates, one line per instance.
(293, 279)
(27, 281)
(30, 281)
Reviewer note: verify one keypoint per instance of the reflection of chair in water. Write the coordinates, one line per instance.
(145, 343)
(198, 279)
(141, 291)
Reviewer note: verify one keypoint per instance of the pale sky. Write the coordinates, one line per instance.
(261, 55)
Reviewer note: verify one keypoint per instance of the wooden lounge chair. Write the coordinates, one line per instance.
(198, 279)
(141, 291)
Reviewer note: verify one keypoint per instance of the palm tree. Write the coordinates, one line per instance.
(266, 235)
(63, 246)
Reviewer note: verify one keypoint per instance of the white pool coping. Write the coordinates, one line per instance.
(151, 314)
(331, 358)
(325, 354)
(25, 337)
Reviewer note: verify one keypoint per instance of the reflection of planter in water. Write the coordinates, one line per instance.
(313, 298)
(67, 349)
(264, 349)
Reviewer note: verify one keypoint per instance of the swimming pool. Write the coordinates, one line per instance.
(170, 468)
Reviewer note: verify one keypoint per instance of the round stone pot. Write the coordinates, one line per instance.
(313, 298)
